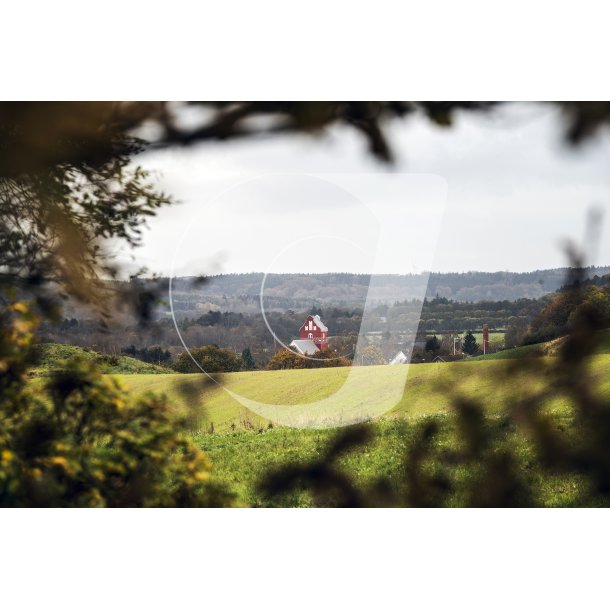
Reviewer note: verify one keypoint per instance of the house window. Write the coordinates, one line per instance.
(310, 336)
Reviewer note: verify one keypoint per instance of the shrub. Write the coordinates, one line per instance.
(84, 443)
(287, 359)
(211, 358)
(110, 359)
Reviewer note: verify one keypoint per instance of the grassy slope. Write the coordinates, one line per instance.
(511, 354)
(49, 356)
(285, 387)
(544, 349)
(429, 390)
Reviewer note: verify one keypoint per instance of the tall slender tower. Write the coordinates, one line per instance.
(485, 338)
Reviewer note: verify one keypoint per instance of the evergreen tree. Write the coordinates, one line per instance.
(470, 344)
(433, 344)
(248, 360)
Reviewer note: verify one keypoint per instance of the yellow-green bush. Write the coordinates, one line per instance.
(287, 359)
(89, 444)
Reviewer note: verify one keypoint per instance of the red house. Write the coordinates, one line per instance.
(315, 330)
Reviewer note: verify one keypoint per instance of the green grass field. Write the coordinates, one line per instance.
(429, 390)
(511, 354)
(243, 448)
(242, 459)
(549, 348)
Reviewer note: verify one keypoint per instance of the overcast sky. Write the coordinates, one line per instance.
(498, 192)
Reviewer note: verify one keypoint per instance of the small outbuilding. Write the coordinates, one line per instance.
(400, 358)
(305, 347)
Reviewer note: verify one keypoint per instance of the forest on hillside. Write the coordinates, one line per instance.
(294, 291)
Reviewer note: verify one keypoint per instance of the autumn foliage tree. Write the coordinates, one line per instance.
(287, 359)
(558, 317)
(211, 358)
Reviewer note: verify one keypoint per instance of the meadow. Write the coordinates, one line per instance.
(241, 460)
(430, 389)
(243, 447)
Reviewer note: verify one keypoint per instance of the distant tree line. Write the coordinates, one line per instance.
(300, 291)
(154, 354)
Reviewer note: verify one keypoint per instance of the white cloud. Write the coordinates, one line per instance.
(515, 191)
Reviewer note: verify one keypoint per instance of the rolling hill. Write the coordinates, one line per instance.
(51, 356)
(430, 389)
